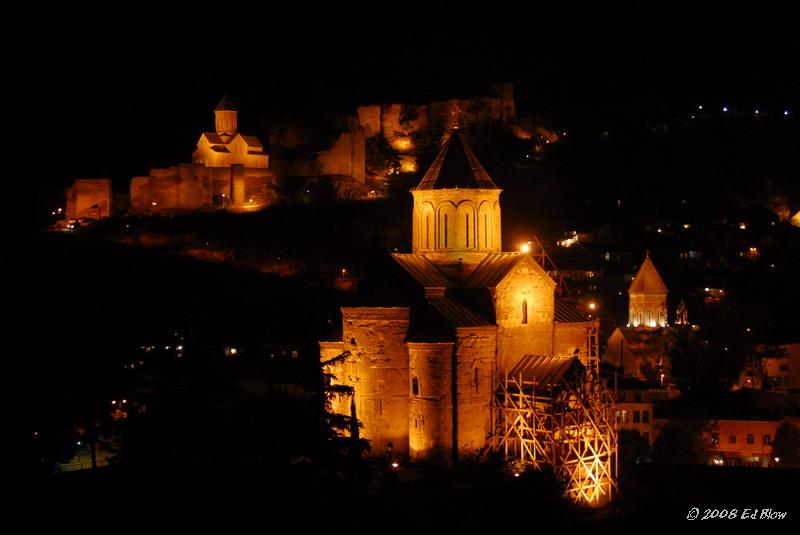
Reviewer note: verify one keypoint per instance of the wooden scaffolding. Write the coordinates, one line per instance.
(555, 411)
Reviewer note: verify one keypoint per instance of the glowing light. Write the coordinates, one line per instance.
(786, 113)
(154, 203)
(113, 401)
(525, 248)
(743, 226)
(592, 305)
(395, 465)
(756, 112)
(700, 107)
(725, 109)
(686, 225)
(516, 474)
(777, 459)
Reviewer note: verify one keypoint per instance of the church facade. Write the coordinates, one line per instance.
(423, 377)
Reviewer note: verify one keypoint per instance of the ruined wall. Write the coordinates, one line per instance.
(430, 416)
(346, 157)
(475, 372)
(526, 284)
(378, 371)
(369, 118)
(89, 197)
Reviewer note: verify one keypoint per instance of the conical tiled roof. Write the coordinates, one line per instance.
(225, 104)
(647, 280)
(456, 167)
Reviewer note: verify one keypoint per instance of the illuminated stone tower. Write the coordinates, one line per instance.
(648, 298)
(456, 207)
(225, 117)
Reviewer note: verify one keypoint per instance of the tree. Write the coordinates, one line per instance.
(786, 445)
(633, 449)
(680, 442)
(714, 356)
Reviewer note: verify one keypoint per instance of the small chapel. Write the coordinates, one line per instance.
(639, 349)
(422, 377)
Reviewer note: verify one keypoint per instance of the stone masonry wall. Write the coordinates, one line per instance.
(527, 282)
(378, 371)
(89, 197)
(430, 417)
(475, 372)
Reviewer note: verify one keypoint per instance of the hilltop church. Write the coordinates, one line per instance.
(422, 376)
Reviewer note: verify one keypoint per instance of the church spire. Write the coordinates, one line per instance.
(648, 297)
(456, 167)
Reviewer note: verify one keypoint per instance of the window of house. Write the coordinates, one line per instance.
(714, 438)
(750, 438)
(466, 229)
(415, 386)
(731, 439)
(767, 440)
(646, 416)
(476, 380)
(638, 397)
(445, 230)
(624, 416)
(485, 230)
(636, 417)
(524, 311)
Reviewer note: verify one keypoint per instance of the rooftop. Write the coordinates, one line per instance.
(456, 167)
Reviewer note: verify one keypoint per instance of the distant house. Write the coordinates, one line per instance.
(635, 405)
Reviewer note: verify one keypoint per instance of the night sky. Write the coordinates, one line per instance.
(126, 88)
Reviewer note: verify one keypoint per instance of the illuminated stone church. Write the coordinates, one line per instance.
(423, 375)
(640, 348)
(226, 146)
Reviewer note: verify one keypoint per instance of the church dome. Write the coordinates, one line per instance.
(456, 204)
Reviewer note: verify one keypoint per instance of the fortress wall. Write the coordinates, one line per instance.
(89, 197)
(347, 156)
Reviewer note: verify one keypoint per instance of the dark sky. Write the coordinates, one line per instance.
(123, 88)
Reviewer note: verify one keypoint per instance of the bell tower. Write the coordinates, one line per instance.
(225, 117)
